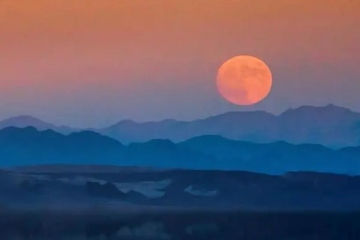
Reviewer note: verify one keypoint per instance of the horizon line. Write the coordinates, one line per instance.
(172, 119)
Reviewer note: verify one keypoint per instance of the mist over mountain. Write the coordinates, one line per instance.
(329, 125)
(29, 121)
(28, 146)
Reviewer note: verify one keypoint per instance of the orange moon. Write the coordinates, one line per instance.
(244, 80)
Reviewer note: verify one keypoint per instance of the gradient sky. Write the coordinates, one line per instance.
(93, 63)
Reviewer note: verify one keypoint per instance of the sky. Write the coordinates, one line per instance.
(91, 63)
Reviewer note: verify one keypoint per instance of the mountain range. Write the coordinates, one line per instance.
(29, 121)
(28, 146)
(329, 125)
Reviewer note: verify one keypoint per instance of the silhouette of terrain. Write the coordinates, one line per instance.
(130, 190)
(29, 121)
(28, 146)
(328, 125)
(251, 176)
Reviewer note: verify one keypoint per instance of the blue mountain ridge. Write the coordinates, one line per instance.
(329, 125)
(28, 146)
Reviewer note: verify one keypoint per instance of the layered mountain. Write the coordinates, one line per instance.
(275, 157)
(233, 125)
(28, 146)
(29, 121)
(329, 125)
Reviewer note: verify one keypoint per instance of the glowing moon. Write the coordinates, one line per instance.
(244, 80)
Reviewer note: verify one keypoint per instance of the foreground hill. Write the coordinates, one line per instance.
(178, 189)
(28, 146)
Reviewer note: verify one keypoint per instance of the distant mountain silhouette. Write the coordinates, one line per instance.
(29, 121)
(28, 146)
(233, 125)
(328, 125)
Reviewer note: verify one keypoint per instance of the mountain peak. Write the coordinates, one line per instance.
(25, 121)
(318, 109)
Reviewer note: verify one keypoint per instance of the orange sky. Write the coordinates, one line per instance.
(95, 62)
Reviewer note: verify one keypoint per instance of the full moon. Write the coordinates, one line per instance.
(244, 80)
